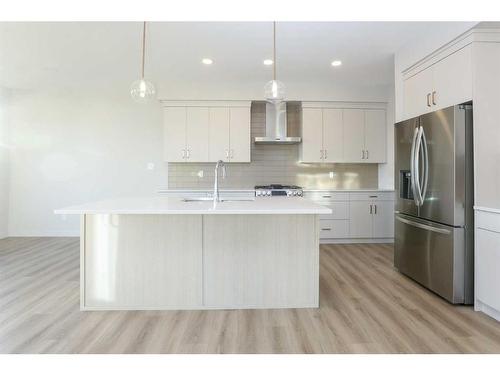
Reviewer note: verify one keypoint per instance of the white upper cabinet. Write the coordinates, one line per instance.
(239, 135)
(453, 79)
(174, 119)
(447, 82)
(333, 135)
(375, 136)
(417, 94)
(365, 136)
(343, 135)
(197, 133)
(312, 135)
(218, 135)
(354, 135)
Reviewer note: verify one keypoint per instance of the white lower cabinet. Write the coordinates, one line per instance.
(383, 219)
(361, 219)
(356, 216)
(487, 263)
(371, 219)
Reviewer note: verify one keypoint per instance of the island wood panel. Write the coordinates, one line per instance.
(261, 261)
(142, 262)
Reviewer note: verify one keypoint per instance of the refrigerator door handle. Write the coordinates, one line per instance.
(425, 180)
(423, 226)
(416, 167)
(412, 166)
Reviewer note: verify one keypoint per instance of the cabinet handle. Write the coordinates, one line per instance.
(434, 97)
(227, 154)
(188, 153)
(231, 153)
(326, 154)
(363, 154)
(321, 154)
(428, 100)
(326, 196)
(367, 155)
(375, 209)
(326, 229)
(373, 196)
(184, 154)
(371, 209)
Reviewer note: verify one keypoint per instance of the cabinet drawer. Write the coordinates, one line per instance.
(340, 210)
(372, 196)
(333, 228)
(326, 196)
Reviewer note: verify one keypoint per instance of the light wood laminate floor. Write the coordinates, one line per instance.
(366, 307)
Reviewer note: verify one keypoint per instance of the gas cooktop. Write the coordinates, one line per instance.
(278, 190)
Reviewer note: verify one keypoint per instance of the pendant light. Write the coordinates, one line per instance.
(142, 90)
(274, 90)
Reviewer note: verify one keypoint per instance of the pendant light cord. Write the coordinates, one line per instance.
(274, 50)
(143, 48)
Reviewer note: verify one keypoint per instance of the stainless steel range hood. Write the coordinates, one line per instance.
(276, 126)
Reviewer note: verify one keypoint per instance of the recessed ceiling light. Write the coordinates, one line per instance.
(207, 61)
(336, 63)
(268, 62)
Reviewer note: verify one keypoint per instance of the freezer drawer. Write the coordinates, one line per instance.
(431, 254)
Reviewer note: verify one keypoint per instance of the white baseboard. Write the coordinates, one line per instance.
(488, 310)
(328, 241)
(46, 234)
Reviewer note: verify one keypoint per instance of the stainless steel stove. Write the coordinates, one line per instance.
(278, 190)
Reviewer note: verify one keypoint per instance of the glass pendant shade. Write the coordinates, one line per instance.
(142, 91)
(274, 91)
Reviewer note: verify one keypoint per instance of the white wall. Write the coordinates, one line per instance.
(386, 171)
(75, 147)
(4, 163)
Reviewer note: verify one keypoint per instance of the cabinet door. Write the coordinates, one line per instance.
(361, 220)
(375, 136)
(197, 134)
(383, 219)
(333, 135)
(487, 263)
(354, 135)
(312, 135)
(218, 134)
(453, 79)
(415, 91)
(239, 131)
(174, 133)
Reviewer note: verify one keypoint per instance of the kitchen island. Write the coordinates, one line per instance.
(164, 253)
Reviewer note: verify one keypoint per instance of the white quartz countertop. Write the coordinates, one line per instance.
(175, 205)
(252, 190)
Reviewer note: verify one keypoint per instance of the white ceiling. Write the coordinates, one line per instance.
(86, 55)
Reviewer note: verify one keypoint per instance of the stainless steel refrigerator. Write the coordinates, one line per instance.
(434, 202)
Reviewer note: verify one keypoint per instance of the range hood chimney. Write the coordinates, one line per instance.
(276, 126)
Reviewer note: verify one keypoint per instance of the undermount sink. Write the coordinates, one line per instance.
(208, 199)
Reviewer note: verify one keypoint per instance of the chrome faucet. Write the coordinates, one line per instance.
(220, 163)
